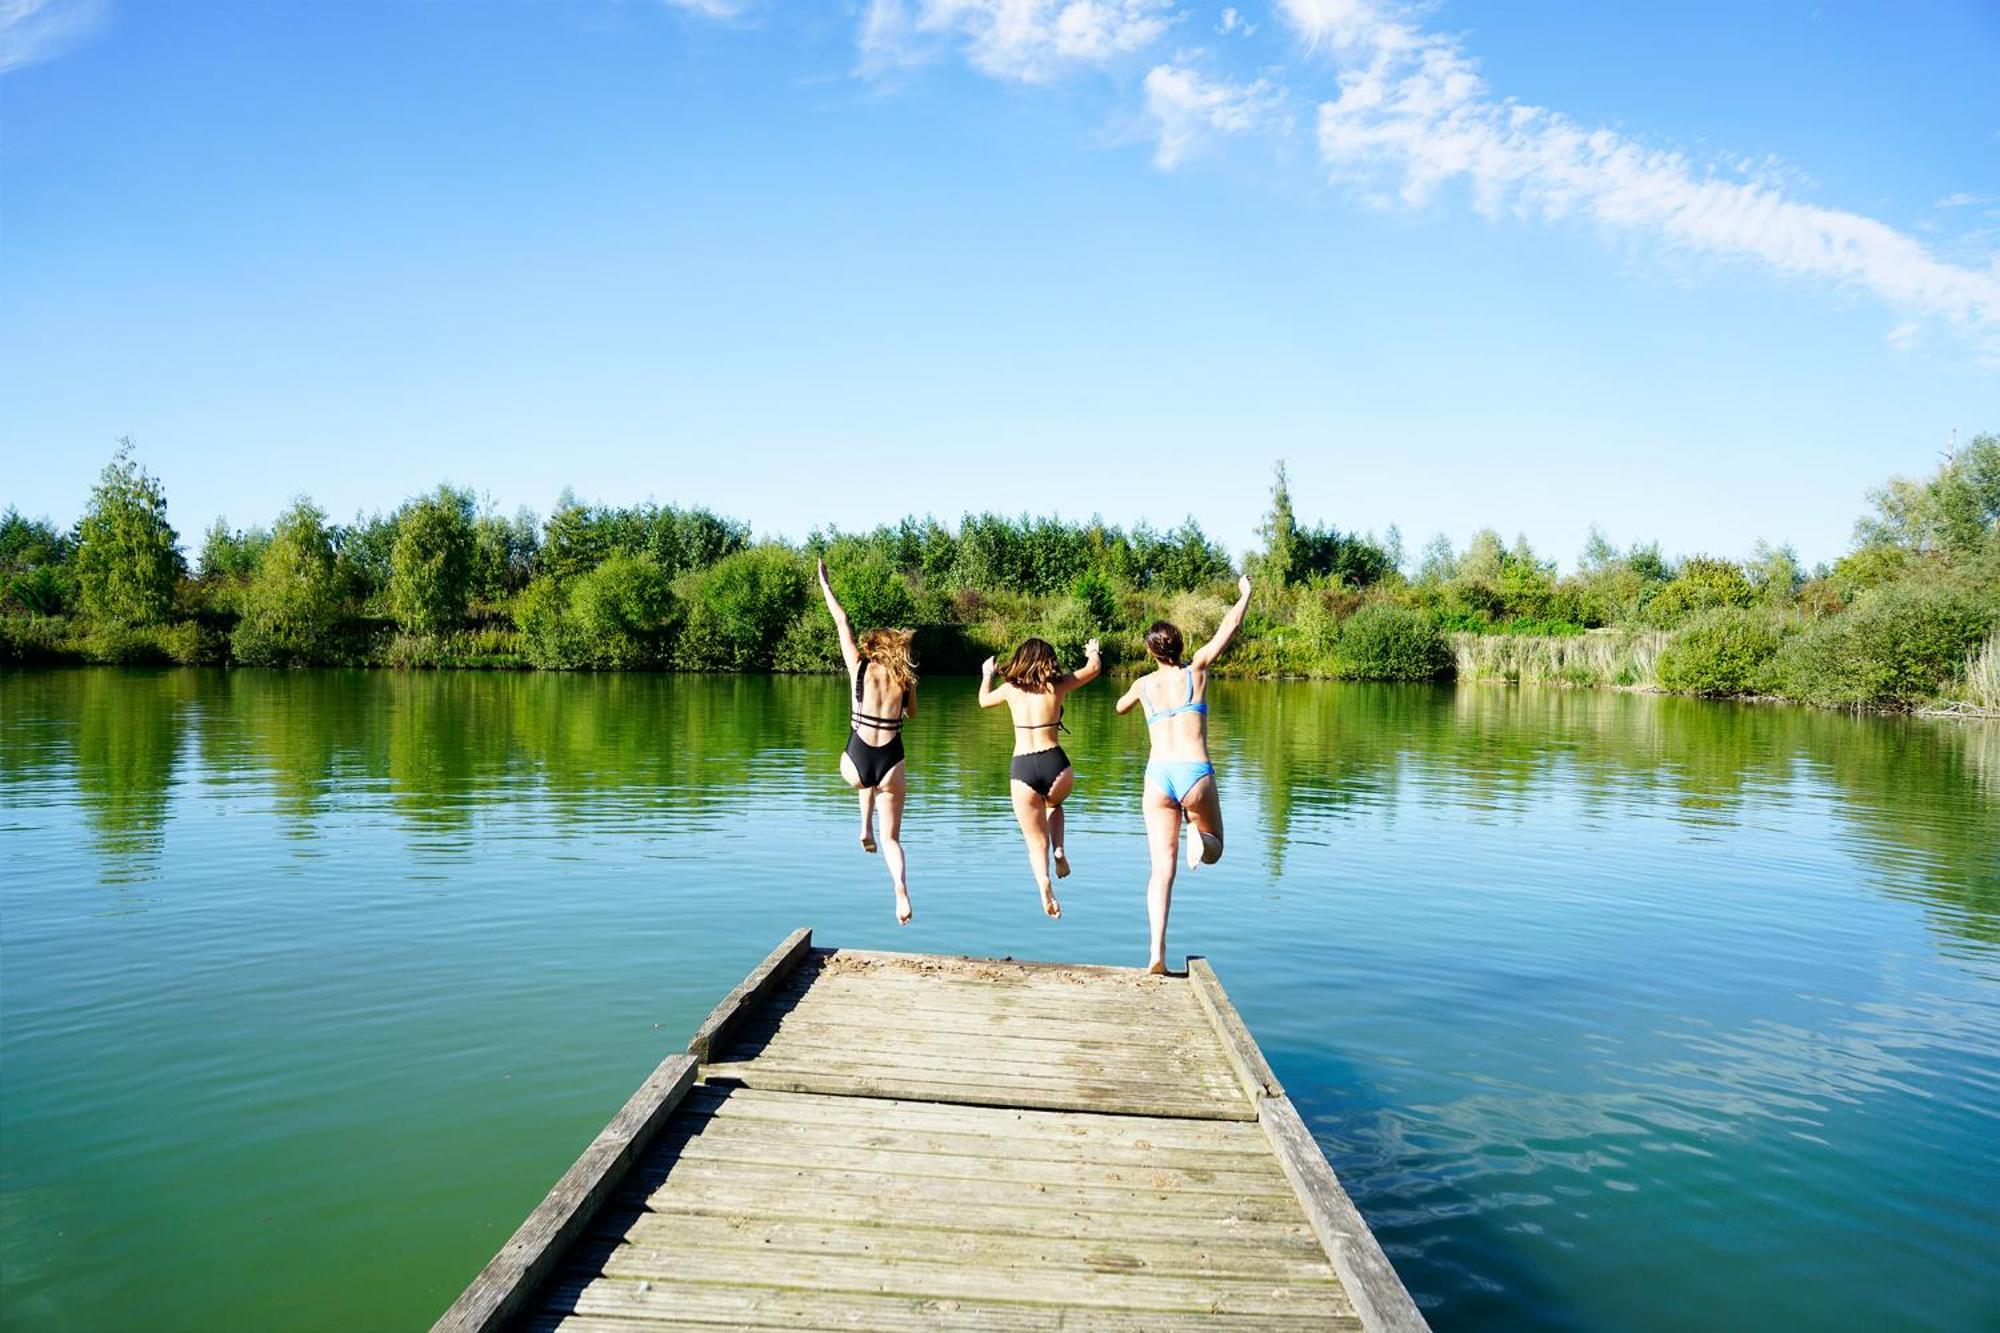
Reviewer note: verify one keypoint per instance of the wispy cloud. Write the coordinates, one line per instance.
(1026, 40)
(1188, 108)
(1414, 115)
(32, 31)
(714, 9)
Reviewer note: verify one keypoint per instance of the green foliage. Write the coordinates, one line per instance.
(1898, 645)
(367, 552)
(548, 638)
(1280, 533)
(1386, 642)
(1952, 511)
(1723, 651)
(1093, 592)
(430, 577)
(624, 613)
(1701, 584)
(578, 537)
(293, 610)
(503, 555)
(875, 595)
(128, 558)
(740, 608)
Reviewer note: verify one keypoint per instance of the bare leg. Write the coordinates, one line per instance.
(852, 778)
(1032, 813)
(1058, 793)
(894, 791)
(1202, 807)
(1163, 827)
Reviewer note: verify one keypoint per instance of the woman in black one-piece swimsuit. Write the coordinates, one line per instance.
(885, 694)
(1033, 686)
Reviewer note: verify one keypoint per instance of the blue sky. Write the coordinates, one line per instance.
(1699, 273)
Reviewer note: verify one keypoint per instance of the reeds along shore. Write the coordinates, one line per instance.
(1909, 618)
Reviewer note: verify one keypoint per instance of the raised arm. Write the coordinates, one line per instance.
(989, 693)
(1130, 699)
(1208, 652)
(1092, 668)
(848, 652)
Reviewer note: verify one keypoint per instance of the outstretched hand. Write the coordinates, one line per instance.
(822, 572)
(1242, 584)
(1090, 648)
(986, 667)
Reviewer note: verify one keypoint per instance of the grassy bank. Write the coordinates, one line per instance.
(1907, 619)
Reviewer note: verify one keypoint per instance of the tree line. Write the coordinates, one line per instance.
(1905, 617)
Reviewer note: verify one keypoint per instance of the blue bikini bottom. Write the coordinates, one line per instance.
(1176, 777)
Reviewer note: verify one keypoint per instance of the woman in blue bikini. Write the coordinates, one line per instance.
(1180, 780)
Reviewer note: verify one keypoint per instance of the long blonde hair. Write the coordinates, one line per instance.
(890, 650)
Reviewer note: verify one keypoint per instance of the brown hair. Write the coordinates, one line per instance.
(890, 650)
(1032, 666)
(1163, 641)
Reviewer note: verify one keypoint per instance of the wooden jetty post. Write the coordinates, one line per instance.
(869, 1140)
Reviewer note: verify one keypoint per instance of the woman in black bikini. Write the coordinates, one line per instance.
(1033, 687)
(885, 694)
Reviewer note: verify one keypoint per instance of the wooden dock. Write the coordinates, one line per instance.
(900, 1141)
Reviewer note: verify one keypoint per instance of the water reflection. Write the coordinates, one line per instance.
(1916, 800)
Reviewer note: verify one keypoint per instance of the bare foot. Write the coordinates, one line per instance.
(1062, 864)
(1157, 967)
(868, 837)
(1203, 849)
(1049, 903)
(903, 912)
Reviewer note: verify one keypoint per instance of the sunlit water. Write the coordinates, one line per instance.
(1612, 1012)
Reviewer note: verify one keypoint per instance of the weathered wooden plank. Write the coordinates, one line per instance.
(1076, 991)
(747, 992)
(856, 1025)
(946, 962)
(740, 1306)
(1278, 1225)
(992, 1063)
(920, 1278)
(504, 1286)
(1238, 1046)
(710, 1181)
(1065, 1095)
(1379, 1296)
(708, 1121)
(941, 1166)
(1303, 1258)
(1083, 1128)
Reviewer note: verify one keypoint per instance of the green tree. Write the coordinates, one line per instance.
(1280, 533)
(34, 565)
(430, 576)
(624, 613)
(294, 606)
(1951, 512)
(128, 559)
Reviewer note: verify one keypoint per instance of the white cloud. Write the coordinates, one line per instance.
(1186, 108)
(1027, 40)
(1414, 115)
(32, 31)
(1233, 24)
(1960, 200)
(714, 9)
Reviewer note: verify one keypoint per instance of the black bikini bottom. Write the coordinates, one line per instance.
(873, 762)
(1040, 769)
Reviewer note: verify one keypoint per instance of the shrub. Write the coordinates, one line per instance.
(128, 559)
(1981, 685)
(1899, 644)
(1703, 584)
(623, 613)
(1728, 650)
(293, 609)
(739, 608)
(1383, 642)
(541, 613)
(875, 595)
(430, 577)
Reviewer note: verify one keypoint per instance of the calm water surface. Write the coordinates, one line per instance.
(1613, 1012)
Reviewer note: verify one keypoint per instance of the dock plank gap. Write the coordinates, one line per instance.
(866, 1140)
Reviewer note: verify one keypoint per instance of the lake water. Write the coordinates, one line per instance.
(1612, 1012)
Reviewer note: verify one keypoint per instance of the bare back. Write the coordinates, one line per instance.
(1176, 704)
(876, 696)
